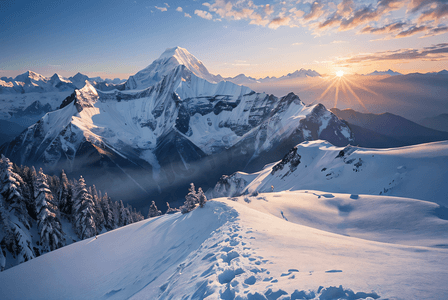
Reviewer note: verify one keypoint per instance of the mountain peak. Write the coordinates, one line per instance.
(388, 72)
(170, 59)
(175, 51)
(31, 75)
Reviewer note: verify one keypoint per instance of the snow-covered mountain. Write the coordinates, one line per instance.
(29, 96)
(161, 67)
(247, 80)
(417, 172)
(388, 72)
(286, 245)
(302, 73)
(31, 82)
(163, 132)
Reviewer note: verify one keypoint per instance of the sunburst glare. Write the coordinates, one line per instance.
(338, 83)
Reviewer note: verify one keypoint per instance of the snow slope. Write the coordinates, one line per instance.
(417, 172)
(253, 248)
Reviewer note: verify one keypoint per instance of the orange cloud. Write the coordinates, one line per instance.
(411, 31)
(435, 52)
(277, 22)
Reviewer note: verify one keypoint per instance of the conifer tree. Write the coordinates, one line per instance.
(124, 216)
(107, 212)
(49, 226)
(137, 216)
(190, 200)
(17, 238)
(153, 211)
(201, 197)
(99, 216)
(170, 210)
(12, 186)
(83, 210)
(65, 199)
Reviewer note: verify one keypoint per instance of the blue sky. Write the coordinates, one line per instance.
(259, 38)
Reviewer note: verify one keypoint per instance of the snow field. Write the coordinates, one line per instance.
(254, 248)
(417, 172)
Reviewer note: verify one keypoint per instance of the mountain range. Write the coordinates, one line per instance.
(387, 130)
(388, 72)
(166, 126)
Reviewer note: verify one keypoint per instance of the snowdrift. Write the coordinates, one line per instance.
(254, 247)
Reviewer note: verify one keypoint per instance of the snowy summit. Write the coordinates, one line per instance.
(170, 59)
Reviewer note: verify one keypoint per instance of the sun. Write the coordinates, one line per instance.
(340, 73)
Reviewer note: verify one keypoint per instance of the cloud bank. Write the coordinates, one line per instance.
(391, 18)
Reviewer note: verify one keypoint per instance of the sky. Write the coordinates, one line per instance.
(117, 38)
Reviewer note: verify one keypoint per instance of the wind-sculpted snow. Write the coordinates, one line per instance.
(235, 249)
(417, 172)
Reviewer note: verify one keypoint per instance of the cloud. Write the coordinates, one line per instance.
(436, 31)
(161, 8)
(277, 22)
(268, 10)
(411, 31)
(348, 17)
(187, 15)
(297, 44)
(179, 9)
(203, 14)
(315, 13)
(416, 5)
(372, 16)
(436, 14)
(389, 28)
(436, 53)
(345, 8)
(167, 5)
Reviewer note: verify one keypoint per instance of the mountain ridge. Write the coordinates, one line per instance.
(122, 130)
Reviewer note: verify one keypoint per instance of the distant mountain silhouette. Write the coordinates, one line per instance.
(439, 122)
(391, 130)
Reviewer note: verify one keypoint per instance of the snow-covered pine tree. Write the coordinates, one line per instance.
(170, 210)
(83, 211)
(65, 195)
(201, 197)
(109, 223)
(123, 215)
(153, 211)
(190, 200)
(129, 213)
(4, 226)
(137, 216)
(115, 206)
(12, 186)
(99, 216)
(14, 217)
(49, 226)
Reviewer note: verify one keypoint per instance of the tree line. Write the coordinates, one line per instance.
(35, 206)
